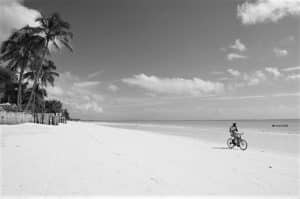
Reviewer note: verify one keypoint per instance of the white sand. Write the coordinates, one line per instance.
(88, 159)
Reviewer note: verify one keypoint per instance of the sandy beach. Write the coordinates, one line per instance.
(87, 159)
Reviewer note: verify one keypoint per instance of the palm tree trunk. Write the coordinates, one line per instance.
(34, 102)
(37, 77)
(33, 88)
(19, 101)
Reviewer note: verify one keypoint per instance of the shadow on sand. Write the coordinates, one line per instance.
(221, 148)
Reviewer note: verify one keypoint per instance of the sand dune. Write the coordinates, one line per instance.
(88, 159)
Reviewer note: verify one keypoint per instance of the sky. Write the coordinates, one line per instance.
(173, 59)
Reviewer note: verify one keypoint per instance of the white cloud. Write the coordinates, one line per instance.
(76, 94)
(293, 77)
(14, 15)
(95, 74)
(234, 72)
(287, 40)
(84, 106)
(253, 81)
(113, 88)
(84, 84)
(254, 78)
(280, 52)
(232, 56)
(258, 11)
(238, 97)
(238, 45)
(285, 94)
(273, 71)
(291, 69)
(92, 106)
(55, 90)
(179, 86)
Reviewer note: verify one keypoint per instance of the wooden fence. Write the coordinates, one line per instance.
(21, 117)
(49, 118)
(15, 117)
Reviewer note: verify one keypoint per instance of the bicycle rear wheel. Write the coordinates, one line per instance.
(230, 143)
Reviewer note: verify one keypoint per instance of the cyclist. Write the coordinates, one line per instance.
(234, 132)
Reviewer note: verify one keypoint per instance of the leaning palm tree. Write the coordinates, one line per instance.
(47, 75)
(18, 52)
(38, 99)
(56, 32)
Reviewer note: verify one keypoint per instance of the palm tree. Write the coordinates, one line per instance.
(38, 99)
(47, 75)
(56, 32)
(18, 52)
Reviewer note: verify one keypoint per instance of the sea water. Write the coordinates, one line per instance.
(266, 135)
(285, 126)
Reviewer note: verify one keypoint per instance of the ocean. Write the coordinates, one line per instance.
(266, 135)
(284, 126)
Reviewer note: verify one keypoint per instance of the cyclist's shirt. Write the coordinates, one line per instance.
(233, 130)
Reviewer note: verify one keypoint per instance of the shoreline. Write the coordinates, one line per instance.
(287, 143)
(82, 158)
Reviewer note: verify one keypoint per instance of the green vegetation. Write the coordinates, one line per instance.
(27, 53)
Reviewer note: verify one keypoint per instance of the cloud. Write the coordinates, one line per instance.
(238, 45)
(91, 106)
(85, 84)
(177, 86)
(293, 77)
(95, 74)
(113, 88)
(286, 41)
(238, 97)
(273, 71)
(234, 72)
(291, 69)
(55, 90)
(244, 79)
(285, 94)
(280, 52)
(76, 94)
(232, 56)
(254, 78)
(259, 11)
(14, 15)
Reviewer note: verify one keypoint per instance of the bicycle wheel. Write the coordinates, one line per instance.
(230, 143)
(243, 144)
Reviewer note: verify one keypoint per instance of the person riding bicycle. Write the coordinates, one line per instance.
(234, 132)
